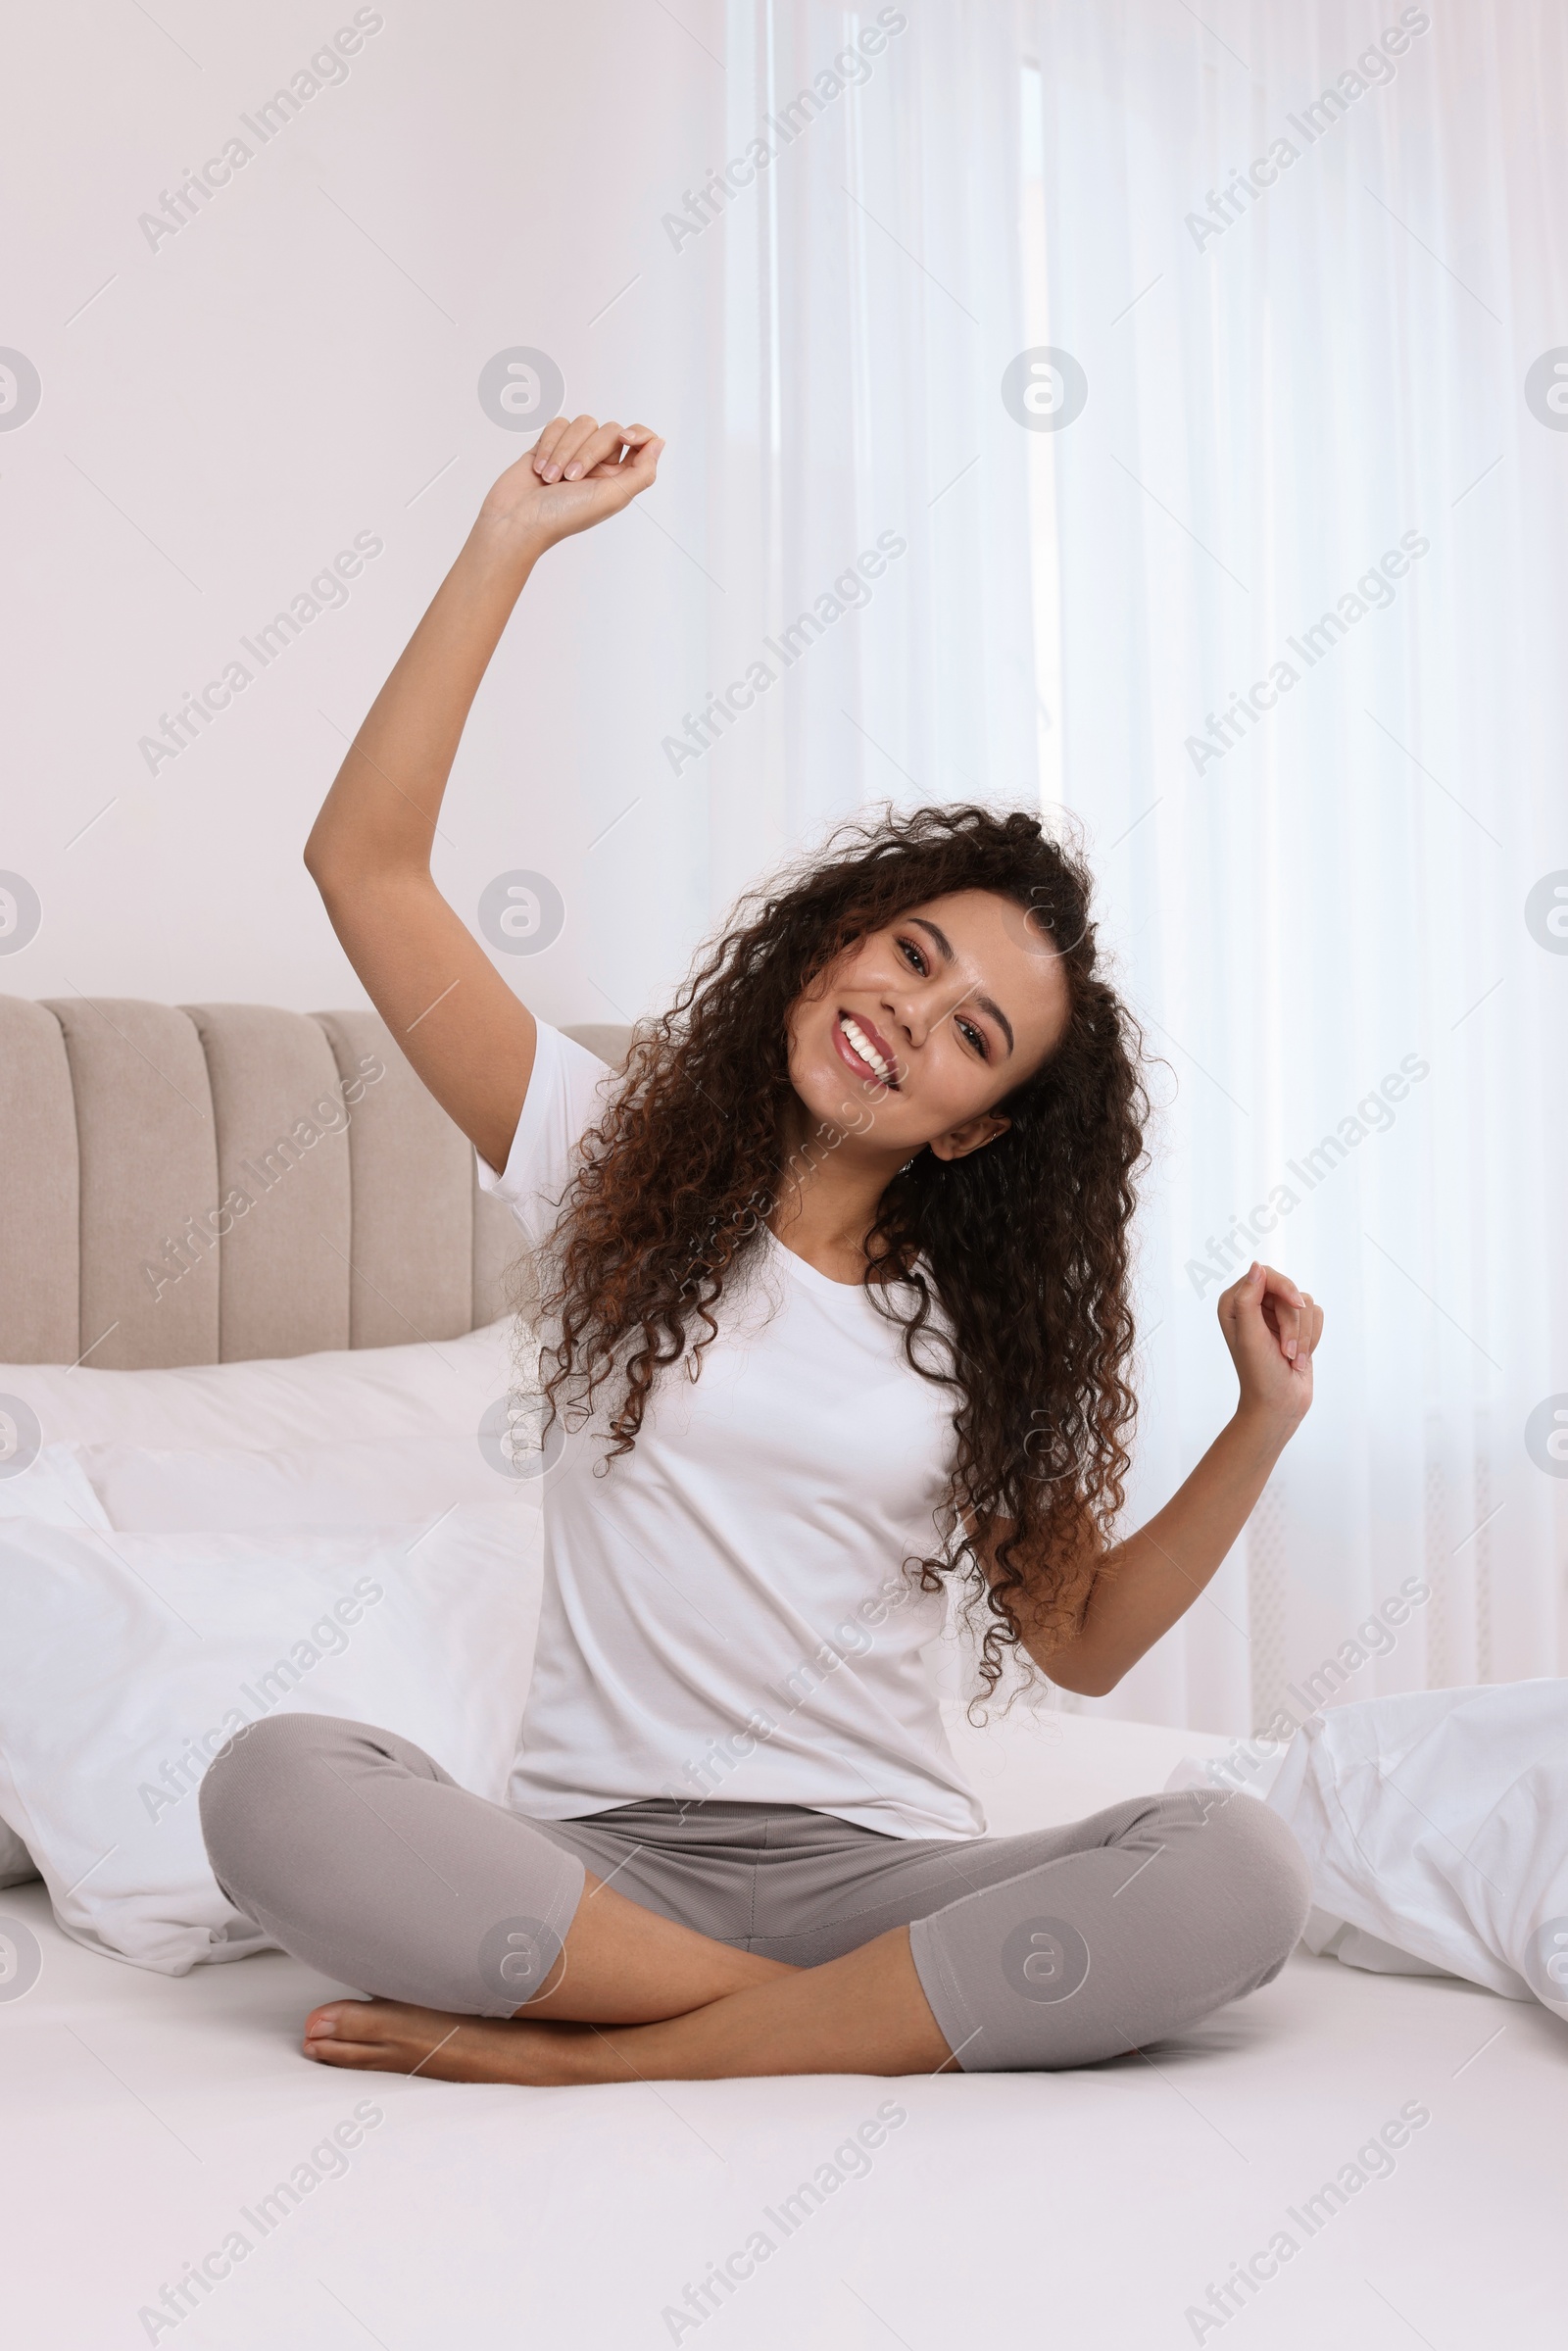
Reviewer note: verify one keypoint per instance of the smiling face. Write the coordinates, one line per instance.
(924, 1025)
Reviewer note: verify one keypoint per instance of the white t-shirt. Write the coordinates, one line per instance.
(725, 1609)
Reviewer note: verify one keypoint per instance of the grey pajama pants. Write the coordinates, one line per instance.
(354, 1850)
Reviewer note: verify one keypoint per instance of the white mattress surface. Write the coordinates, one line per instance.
(146, 2117)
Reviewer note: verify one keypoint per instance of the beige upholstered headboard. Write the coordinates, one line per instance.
(212, 1183)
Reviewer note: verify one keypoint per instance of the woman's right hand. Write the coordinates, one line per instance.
(448, 1006)
(578, 473)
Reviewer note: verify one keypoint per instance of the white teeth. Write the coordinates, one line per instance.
(862, 1044)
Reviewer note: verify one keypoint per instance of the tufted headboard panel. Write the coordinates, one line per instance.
(212, 1183)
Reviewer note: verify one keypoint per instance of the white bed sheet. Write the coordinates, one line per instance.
(143, 2114)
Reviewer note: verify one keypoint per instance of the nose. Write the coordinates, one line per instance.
(903, 1028)
(918, 1003)
(908, 1012)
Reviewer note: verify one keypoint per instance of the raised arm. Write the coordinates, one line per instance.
(468, 1036)
(1142, 1587)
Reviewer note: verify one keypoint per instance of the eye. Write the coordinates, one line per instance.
(976, 1037)
(917, 961)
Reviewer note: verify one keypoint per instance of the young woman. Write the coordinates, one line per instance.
(836, 1310)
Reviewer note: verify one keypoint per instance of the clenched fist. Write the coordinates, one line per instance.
(1271, 1328)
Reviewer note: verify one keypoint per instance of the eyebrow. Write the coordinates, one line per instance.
(986, 1003)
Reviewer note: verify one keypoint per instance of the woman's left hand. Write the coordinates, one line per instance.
(1271, 1328)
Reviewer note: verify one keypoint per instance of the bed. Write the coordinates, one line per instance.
(1403, 2134)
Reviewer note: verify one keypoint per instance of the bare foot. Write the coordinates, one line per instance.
(382, 2037)
(864, 2013)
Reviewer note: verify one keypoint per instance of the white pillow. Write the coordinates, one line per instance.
(323, 1485)
(126, 1660)
(52, 1487)
(55, 1489)
(17, 1864)
(1435, 1824)
(355, 1395)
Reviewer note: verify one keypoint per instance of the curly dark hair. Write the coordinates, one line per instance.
(1026, 1243)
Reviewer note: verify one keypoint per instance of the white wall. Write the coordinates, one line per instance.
(225, 408)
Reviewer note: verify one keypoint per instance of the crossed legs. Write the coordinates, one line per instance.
(354, 1852)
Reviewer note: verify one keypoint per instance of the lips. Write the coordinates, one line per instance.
(865, 1051)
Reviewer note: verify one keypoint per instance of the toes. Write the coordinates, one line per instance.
(377, 2033)
(366, 2020)
(339, 2019)
(362, 2056)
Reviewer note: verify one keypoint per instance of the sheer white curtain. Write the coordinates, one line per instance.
(1277, 619)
